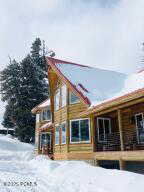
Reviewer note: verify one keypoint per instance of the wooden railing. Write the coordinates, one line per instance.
(111, 141)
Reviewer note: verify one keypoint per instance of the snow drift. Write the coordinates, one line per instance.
(18, 164)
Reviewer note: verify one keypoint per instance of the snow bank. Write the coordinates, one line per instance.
(23, 166)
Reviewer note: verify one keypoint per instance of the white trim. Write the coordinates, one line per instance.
(78, 101)
(110, 127)
(137, 131)
(79, 131)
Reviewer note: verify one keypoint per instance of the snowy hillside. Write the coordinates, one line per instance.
(27, 173)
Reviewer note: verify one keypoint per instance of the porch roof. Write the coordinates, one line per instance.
(118, 101)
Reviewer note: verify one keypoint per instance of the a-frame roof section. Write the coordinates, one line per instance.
(91, 84)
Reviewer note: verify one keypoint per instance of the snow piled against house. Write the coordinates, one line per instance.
(101, 85)
(18, 164)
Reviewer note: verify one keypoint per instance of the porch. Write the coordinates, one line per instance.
(120, 130)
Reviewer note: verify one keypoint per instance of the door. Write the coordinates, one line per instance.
(140, 127)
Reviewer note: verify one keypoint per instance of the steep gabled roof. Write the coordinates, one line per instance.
(91, 84)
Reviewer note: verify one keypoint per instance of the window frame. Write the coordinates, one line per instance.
(89, 127)
(110, 128)
(78, 101)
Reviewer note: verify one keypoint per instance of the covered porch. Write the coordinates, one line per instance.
(119, 130)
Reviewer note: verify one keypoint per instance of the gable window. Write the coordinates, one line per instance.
(57, 100)
(104, 128)
(57, 142)
(63, 95)
(63, 129)
(73, 98)
(80, 131)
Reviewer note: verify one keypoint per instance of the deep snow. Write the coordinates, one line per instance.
(19, 164)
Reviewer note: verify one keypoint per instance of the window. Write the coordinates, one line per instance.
(64, 95)
(73, 98)
(80, 131)
(63, 129)
(45, 139)
(57, 100)
(57, 136)
(45, 115)
(140, 127)
(104, 128)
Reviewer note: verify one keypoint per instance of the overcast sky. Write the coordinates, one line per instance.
(101, 33)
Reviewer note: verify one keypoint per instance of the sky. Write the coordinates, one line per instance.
(102, 33)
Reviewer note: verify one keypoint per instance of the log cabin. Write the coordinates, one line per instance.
(93, 115)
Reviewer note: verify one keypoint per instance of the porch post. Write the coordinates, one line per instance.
(92, 131)
(122, 164)
(120, 130)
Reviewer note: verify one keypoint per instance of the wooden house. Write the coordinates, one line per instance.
(96, 116)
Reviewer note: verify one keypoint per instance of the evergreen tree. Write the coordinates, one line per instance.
(23, 86)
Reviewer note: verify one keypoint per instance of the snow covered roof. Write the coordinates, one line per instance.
(46, 103)
(94, 84)
(41, 106)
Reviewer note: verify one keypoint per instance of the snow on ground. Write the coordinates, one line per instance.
(20, 167)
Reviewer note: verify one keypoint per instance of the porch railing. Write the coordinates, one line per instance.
(111, 141)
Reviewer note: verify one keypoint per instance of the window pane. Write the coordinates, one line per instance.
(84, 130)
(107, 126)
(57, 100)
(64, 95)
(63, 133)
(100, 129)
(48, 114)
(57, 135)
(75, 131)
(73, 98)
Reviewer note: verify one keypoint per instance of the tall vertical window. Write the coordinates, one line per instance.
(57, 100)
(104, 128)
(63, 95)
(57, 136)
(63, 129)
(80, 131)
(73, 98)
